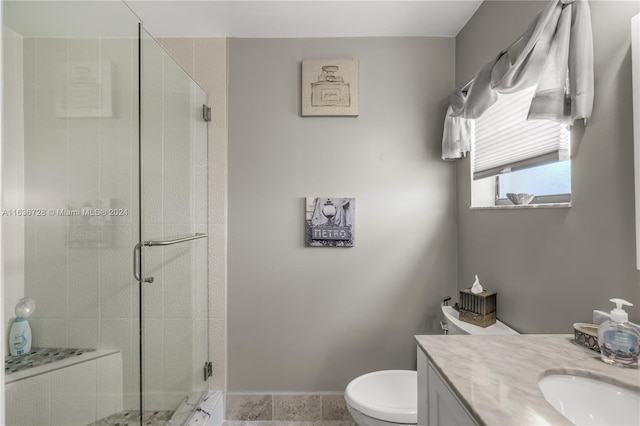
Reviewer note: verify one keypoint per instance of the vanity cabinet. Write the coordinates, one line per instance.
(438, 405)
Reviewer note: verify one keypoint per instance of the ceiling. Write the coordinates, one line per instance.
(289, 19)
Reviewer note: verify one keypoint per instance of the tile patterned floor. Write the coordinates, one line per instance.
(287, 410)
(160, 418)
(132, 418)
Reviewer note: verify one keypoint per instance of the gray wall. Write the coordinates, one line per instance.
(552, 267)
(311, 319)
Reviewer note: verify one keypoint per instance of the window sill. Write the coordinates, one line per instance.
(524, 206)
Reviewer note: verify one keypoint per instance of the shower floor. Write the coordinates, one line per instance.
(132, 418)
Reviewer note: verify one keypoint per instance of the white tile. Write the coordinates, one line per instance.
(84, 333)
(83, 286)
(118, 334)
(152, 267)
(134, 210)
(176, 203)
(152, 296)
(30, 261)
(217, 352)
(122, 53)
(132, 373)
(117, 153)
(46, 174)
(84, 167)
(176, 96)
(23, 396)
(49, 333)
(135, 300)
(151, 85)
(83, 50)
(116, 277)
(217, 180)
(201, 278)
(200, 352)
(217, 271)
(218, 158)
(83, 282)
(178, 349)
(152, 178)
(201, 227)
(132, 397)
(109, 390)
(30, 82)
(84, 265)
(201, 143)
(156, 401)
(153, 329)
(51, 80)
(51, 272)
(13, 171)
(178, 274)
(73, 394)
(200, 195)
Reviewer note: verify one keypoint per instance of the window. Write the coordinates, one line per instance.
(511, 154)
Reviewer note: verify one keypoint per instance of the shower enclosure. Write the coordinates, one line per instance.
(105, 218)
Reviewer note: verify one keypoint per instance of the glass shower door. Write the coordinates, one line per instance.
(174, 291)
(71, 104)
(105, 144)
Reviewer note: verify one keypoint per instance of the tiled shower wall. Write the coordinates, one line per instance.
(82, 281)
(78, 269)
(12, 175)
(205, 60)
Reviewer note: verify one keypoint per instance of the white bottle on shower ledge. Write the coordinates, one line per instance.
(20, 333)
(20, 337)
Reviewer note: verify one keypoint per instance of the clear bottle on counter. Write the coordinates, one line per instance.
(619, 342)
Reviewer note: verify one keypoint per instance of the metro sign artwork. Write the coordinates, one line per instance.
(330, 232)
(329, 222)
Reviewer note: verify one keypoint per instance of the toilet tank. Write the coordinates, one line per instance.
(456, 326)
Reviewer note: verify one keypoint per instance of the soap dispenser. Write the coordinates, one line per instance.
(617, 339)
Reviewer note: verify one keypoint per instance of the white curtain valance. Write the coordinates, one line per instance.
(555, 56)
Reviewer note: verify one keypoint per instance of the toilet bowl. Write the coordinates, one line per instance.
(390, 397)
(383, 398)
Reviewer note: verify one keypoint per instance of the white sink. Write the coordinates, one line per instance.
(587, 401)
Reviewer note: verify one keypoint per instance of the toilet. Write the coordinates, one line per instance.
(381, 398)
(390, 397)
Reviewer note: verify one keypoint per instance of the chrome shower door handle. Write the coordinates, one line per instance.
(137, 252)
(136, 262)
(137, 274)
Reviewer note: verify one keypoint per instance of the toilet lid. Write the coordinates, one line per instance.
(390, 395)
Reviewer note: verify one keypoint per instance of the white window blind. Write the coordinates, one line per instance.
(506, 141)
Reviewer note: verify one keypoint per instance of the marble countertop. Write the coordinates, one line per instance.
(496, 377)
